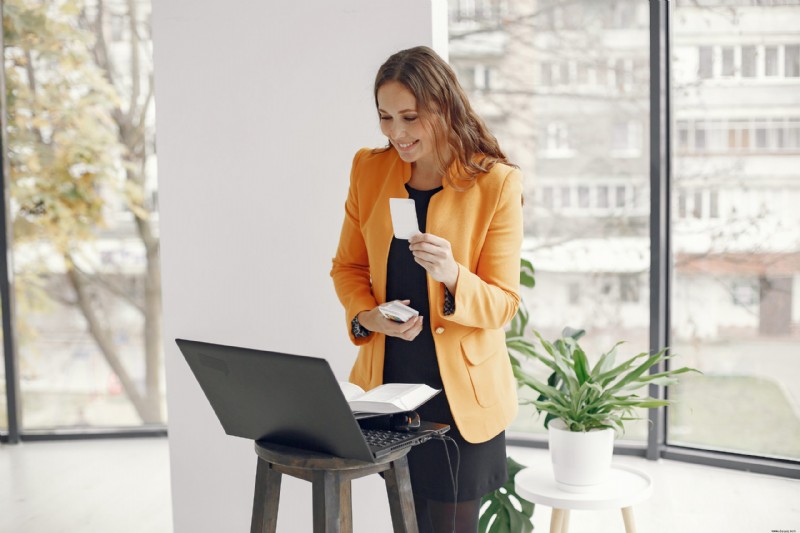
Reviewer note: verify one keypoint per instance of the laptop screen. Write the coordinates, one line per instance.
(282, 398)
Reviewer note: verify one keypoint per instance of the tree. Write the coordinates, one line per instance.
(77, 153)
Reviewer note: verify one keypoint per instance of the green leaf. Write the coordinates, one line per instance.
(526, 274)
(581, 365)
(605, 362)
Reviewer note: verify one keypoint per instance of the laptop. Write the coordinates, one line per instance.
(291, 400)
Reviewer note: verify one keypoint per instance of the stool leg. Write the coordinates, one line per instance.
(565, 521)
(627, 517)
(556, 520)
(401, 500)
(265, 499)
(346, 499)
(326, 492)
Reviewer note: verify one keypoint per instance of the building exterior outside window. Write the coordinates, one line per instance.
(736, 174)
(574, 115)
(82, 178)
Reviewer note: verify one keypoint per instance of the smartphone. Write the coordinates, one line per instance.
(397, 311)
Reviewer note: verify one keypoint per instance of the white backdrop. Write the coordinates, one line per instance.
(261, 106)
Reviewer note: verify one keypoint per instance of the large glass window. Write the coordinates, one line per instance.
(736, 228)
(561, 66)
(80, 111)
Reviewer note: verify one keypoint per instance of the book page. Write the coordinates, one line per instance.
(350, 390)
(389, 393)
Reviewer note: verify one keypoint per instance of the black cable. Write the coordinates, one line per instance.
(453, 479)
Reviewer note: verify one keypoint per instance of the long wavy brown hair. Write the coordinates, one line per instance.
(444, 106)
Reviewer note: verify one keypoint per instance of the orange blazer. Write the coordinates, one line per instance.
(484, 226)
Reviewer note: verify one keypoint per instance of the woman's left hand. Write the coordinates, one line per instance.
(436, 257)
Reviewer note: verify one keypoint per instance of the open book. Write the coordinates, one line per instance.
(387, 398)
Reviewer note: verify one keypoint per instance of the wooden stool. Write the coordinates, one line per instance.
(330, 478)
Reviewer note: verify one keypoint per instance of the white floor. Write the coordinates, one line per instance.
(690, 499)
(122, 486)
(89, 486)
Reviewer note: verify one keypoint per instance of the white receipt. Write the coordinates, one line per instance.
(404, 217)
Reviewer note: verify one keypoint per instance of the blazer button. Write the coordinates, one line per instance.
(439, 330)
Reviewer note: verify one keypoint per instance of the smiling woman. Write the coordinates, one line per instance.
(461, 273)
(411, 135)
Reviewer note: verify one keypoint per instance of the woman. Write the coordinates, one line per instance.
(461, 273)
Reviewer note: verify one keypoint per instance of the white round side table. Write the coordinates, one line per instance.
(624, 488)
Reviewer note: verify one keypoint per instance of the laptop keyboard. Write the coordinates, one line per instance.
(381, 438)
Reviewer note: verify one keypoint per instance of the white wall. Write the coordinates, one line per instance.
(261, 106)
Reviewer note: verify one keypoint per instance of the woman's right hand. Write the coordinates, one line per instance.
(373, 320)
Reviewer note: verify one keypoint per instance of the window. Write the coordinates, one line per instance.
(583, 196)
(547, 197)
(80, 264)
(748, 61)
(566, 197)
(629, 288)
(620, 196)
(732, 225)
(546, 70)
(713, 204)
(728, 64)
(734, 106)
(792, 61)
(627, 139)
(602, 197)
(700, 137)
(705, 69)
(770, 60)
(557, 141)
(476, 76)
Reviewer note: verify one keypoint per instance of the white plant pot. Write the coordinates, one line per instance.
(581, 460)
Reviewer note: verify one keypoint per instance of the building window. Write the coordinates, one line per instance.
(602, 196)
(728, 61)
(793, 134)
(681, 204)
(546, 69)
(566, 197)
(629, 288)
(705, 68)
(547, 197)
(583, 196)
(620, 197)
(556, 143)
(700, 137)
(792, 61)
(713, 204)
(770, 61)
(574, 293)
(627, 139)
(748, 61)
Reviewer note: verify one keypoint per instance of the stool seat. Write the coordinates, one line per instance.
(330, 477)
(625, 487)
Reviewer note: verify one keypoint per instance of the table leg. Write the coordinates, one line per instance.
(627, 516)
(556, 520)
(565, 521)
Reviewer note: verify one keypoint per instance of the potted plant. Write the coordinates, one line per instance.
(587, 405)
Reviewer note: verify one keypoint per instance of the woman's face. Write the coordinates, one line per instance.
(403, 125)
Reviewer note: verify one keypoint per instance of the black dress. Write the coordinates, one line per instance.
(482, 467)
